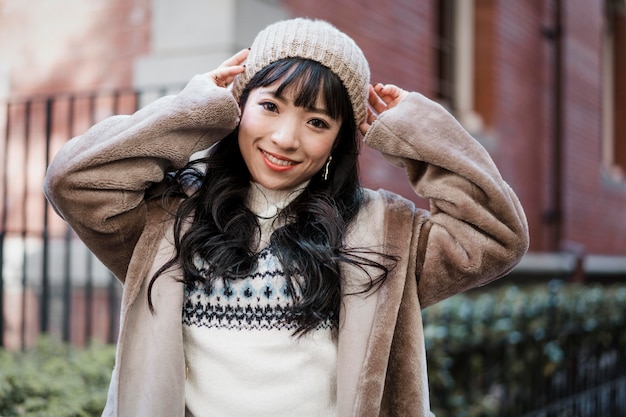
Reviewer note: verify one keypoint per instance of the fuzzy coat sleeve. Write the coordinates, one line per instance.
(98, 181)
(476, 229)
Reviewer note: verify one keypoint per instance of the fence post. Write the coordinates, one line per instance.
(2, 287)
(24, 234)
(45, 278)
(3, 220)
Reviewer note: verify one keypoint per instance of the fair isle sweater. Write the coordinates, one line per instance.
(242, 357)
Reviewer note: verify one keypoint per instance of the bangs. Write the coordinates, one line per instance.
(305, 81)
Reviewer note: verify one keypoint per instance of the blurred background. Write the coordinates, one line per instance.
(540, 83)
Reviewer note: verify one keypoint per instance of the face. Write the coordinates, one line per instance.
(284, 145)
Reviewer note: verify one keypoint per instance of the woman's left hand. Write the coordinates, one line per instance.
(223, 75)
(381, 97)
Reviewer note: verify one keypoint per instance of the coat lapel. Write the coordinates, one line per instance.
(151, 368)
(368, 321)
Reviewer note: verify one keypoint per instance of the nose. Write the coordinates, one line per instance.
(286, 135)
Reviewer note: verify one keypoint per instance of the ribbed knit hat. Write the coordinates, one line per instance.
(318, 41)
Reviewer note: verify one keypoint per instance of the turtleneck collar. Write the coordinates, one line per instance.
(266, 203)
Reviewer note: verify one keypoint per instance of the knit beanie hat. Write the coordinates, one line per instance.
(318, 41)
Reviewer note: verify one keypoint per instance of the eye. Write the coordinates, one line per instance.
(269, 106)
(318, 123)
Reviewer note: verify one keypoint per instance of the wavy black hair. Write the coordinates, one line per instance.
(311, 244)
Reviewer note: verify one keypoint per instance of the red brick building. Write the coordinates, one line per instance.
(540, 86)
(541, 83)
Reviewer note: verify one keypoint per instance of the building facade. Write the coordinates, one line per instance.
(541, 83)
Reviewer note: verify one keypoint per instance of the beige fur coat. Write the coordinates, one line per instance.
(474, 233)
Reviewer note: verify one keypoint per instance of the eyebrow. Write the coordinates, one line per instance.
(284, 100)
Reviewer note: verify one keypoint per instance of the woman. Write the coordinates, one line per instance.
(300, 291)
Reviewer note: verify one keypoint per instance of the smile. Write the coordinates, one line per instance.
(276, 163)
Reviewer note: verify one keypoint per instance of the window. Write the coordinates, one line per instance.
(614, 149)
(465, 60)
(484, 60)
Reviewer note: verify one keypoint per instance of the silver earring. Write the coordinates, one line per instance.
(327, 168)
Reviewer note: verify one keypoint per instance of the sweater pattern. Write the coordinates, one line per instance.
(259, 301)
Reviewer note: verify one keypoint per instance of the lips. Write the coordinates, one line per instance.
(276, 162)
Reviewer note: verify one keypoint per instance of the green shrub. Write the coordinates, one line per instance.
(492, 346)
(525, 325)
(55, 380)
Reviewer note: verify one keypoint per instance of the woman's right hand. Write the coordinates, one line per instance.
(225, 74)
(381, 97)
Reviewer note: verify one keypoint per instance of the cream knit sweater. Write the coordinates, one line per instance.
(241, 356)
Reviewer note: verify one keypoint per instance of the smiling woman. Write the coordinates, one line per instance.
(264, 279)
(287, 133)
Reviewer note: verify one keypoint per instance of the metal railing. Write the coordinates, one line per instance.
(519, 356)
(50, 282)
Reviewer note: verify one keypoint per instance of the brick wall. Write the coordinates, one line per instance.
(397, 37)
(77, 45)
(619, 99)
(522, 109)
(595, 205)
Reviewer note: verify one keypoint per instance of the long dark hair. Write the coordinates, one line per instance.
(310, 245)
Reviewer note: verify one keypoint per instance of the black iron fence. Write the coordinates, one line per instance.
(49, 281)
(549, 350)
(578, 374)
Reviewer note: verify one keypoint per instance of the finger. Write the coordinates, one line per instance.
(371, 94)
(230, 72)
(375, 101)
(364, 127)
(371, 116)
(225, 75)
(238, 59)
(230, 76)
(386, 92)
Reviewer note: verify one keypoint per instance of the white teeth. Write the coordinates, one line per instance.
(277, 161)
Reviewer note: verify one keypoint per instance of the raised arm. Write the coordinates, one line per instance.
(97, 182)
(476, 230)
